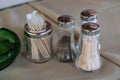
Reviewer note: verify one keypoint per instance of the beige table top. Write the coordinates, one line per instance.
(21, 69)
(108, 19)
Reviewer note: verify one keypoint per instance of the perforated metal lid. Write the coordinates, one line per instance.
(88, 15)
(65, 21)
(90, 28)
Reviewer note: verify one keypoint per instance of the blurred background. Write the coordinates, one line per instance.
(10, 3)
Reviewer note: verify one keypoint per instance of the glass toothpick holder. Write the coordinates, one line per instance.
(38, 44)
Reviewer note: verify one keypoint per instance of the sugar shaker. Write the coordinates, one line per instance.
(89, 58)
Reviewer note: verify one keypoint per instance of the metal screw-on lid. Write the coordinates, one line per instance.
(65, 18)
(90, 28)
(65, 21)
(41, 34)
(88, 15)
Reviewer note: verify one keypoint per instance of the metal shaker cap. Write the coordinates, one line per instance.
(40, 34)
(90, 28)
(88, 15)
(65, 21)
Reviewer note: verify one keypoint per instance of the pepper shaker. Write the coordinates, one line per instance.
(38, 36)
(89, 58)
(65, 48)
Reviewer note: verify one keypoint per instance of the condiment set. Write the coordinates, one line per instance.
(38, 35)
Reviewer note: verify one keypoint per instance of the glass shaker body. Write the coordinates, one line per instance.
(89, 58)
(38, 45)
(64, 48)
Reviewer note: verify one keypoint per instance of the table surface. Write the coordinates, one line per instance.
(21, 69)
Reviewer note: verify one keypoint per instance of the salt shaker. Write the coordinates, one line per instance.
(86, 16)
(64, 49)
(38, 36)
(89, 58)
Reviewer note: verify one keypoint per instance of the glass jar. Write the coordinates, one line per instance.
(89, 58)
(38, 44)
(65, 49)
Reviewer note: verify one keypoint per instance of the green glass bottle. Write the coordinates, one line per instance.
(10, 46)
